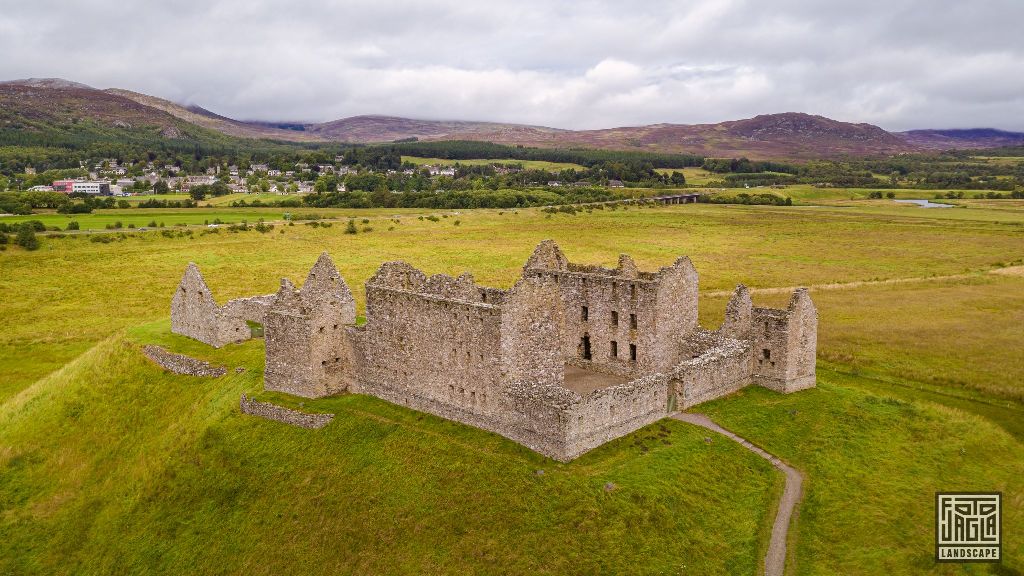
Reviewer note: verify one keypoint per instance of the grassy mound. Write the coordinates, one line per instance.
(113, 466)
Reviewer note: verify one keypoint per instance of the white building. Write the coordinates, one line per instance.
(95, 188)
(441, 171)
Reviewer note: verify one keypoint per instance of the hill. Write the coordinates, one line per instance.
(63, 115)
(48, 83)
(368, 129)
(178, 481)
(788, 135)
(33, 107)
(202, 117)
(972, 138)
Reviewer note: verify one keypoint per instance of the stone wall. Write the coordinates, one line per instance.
(193, 309)
(233, 316)
(181, 364)
(620, 320)
(285, 415)
(721, 368)
(431, 341)
(738, 315)
(609, 413)
(675, 313)
(195, 313)
(532, 329)
(802, 343)
(770, 342)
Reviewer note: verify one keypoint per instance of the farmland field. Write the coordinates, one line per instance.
(170, 217)
(528, 164)
(920, 388)
(695, 176)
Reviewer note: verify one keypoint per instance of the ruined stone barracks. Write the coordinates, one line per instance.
(570, 357)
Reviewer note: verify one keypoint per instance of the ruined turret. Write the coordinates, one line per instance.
(309, 352)
(785, 342)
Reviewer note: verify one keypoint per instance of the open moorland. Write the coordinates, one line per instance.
(110, 465)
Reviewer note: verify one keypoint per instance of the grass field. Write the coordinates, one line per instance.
(528, 164)
(145, 197)
(99, 219)
(1000, 160)
(107, 464)
(808, 194)
(225, 200)
(695, 176)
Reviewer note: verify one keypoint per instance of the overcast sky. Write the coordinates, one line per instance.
(900, 64)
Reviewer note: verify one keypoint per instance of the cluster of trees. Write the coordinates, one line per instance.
(454, 199)
(744, 165)
(24, 202)
(24, 234)
(911, 171)
(1016, 195)
(470, 150)
(200, 192)
(744, 198)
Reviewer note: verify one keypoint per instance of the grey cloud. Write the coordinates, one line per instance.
(897, 63)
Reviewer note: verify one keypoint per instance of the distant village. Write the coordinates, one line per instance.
(109, 177)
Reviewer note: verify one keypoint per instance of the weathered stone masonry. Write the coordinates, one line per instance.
(181, 364)
(567, 359)
(285, 415)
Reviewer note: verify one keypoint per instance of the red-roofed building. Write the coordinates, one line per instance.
(65, 186)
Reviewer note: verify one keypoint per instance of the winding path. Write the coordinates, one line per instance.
(1002, 271)
(775, 559)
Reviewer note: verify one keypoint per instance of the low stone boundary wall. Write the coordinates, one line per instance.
(181, 364)
(285, 415)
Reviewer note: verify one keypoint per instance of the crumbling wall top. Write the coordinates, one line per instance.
(547, 256)
(193, 284)
(738, 313)
(324, 282)
(800, 302)
(401, 276)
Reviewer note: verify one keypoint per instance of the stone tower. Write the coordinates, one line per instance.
(309, 351)
(785, 342)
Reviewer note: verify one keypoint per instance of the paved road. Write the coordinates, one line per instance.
(775, 560)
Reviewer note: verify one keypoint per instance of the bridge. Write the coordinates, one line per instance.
(675, 199)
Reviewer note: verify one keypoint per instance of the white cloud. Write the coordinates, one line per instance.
(899, 63)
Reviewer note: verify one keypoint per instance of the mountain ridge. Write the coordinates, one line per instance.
(787, 135)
